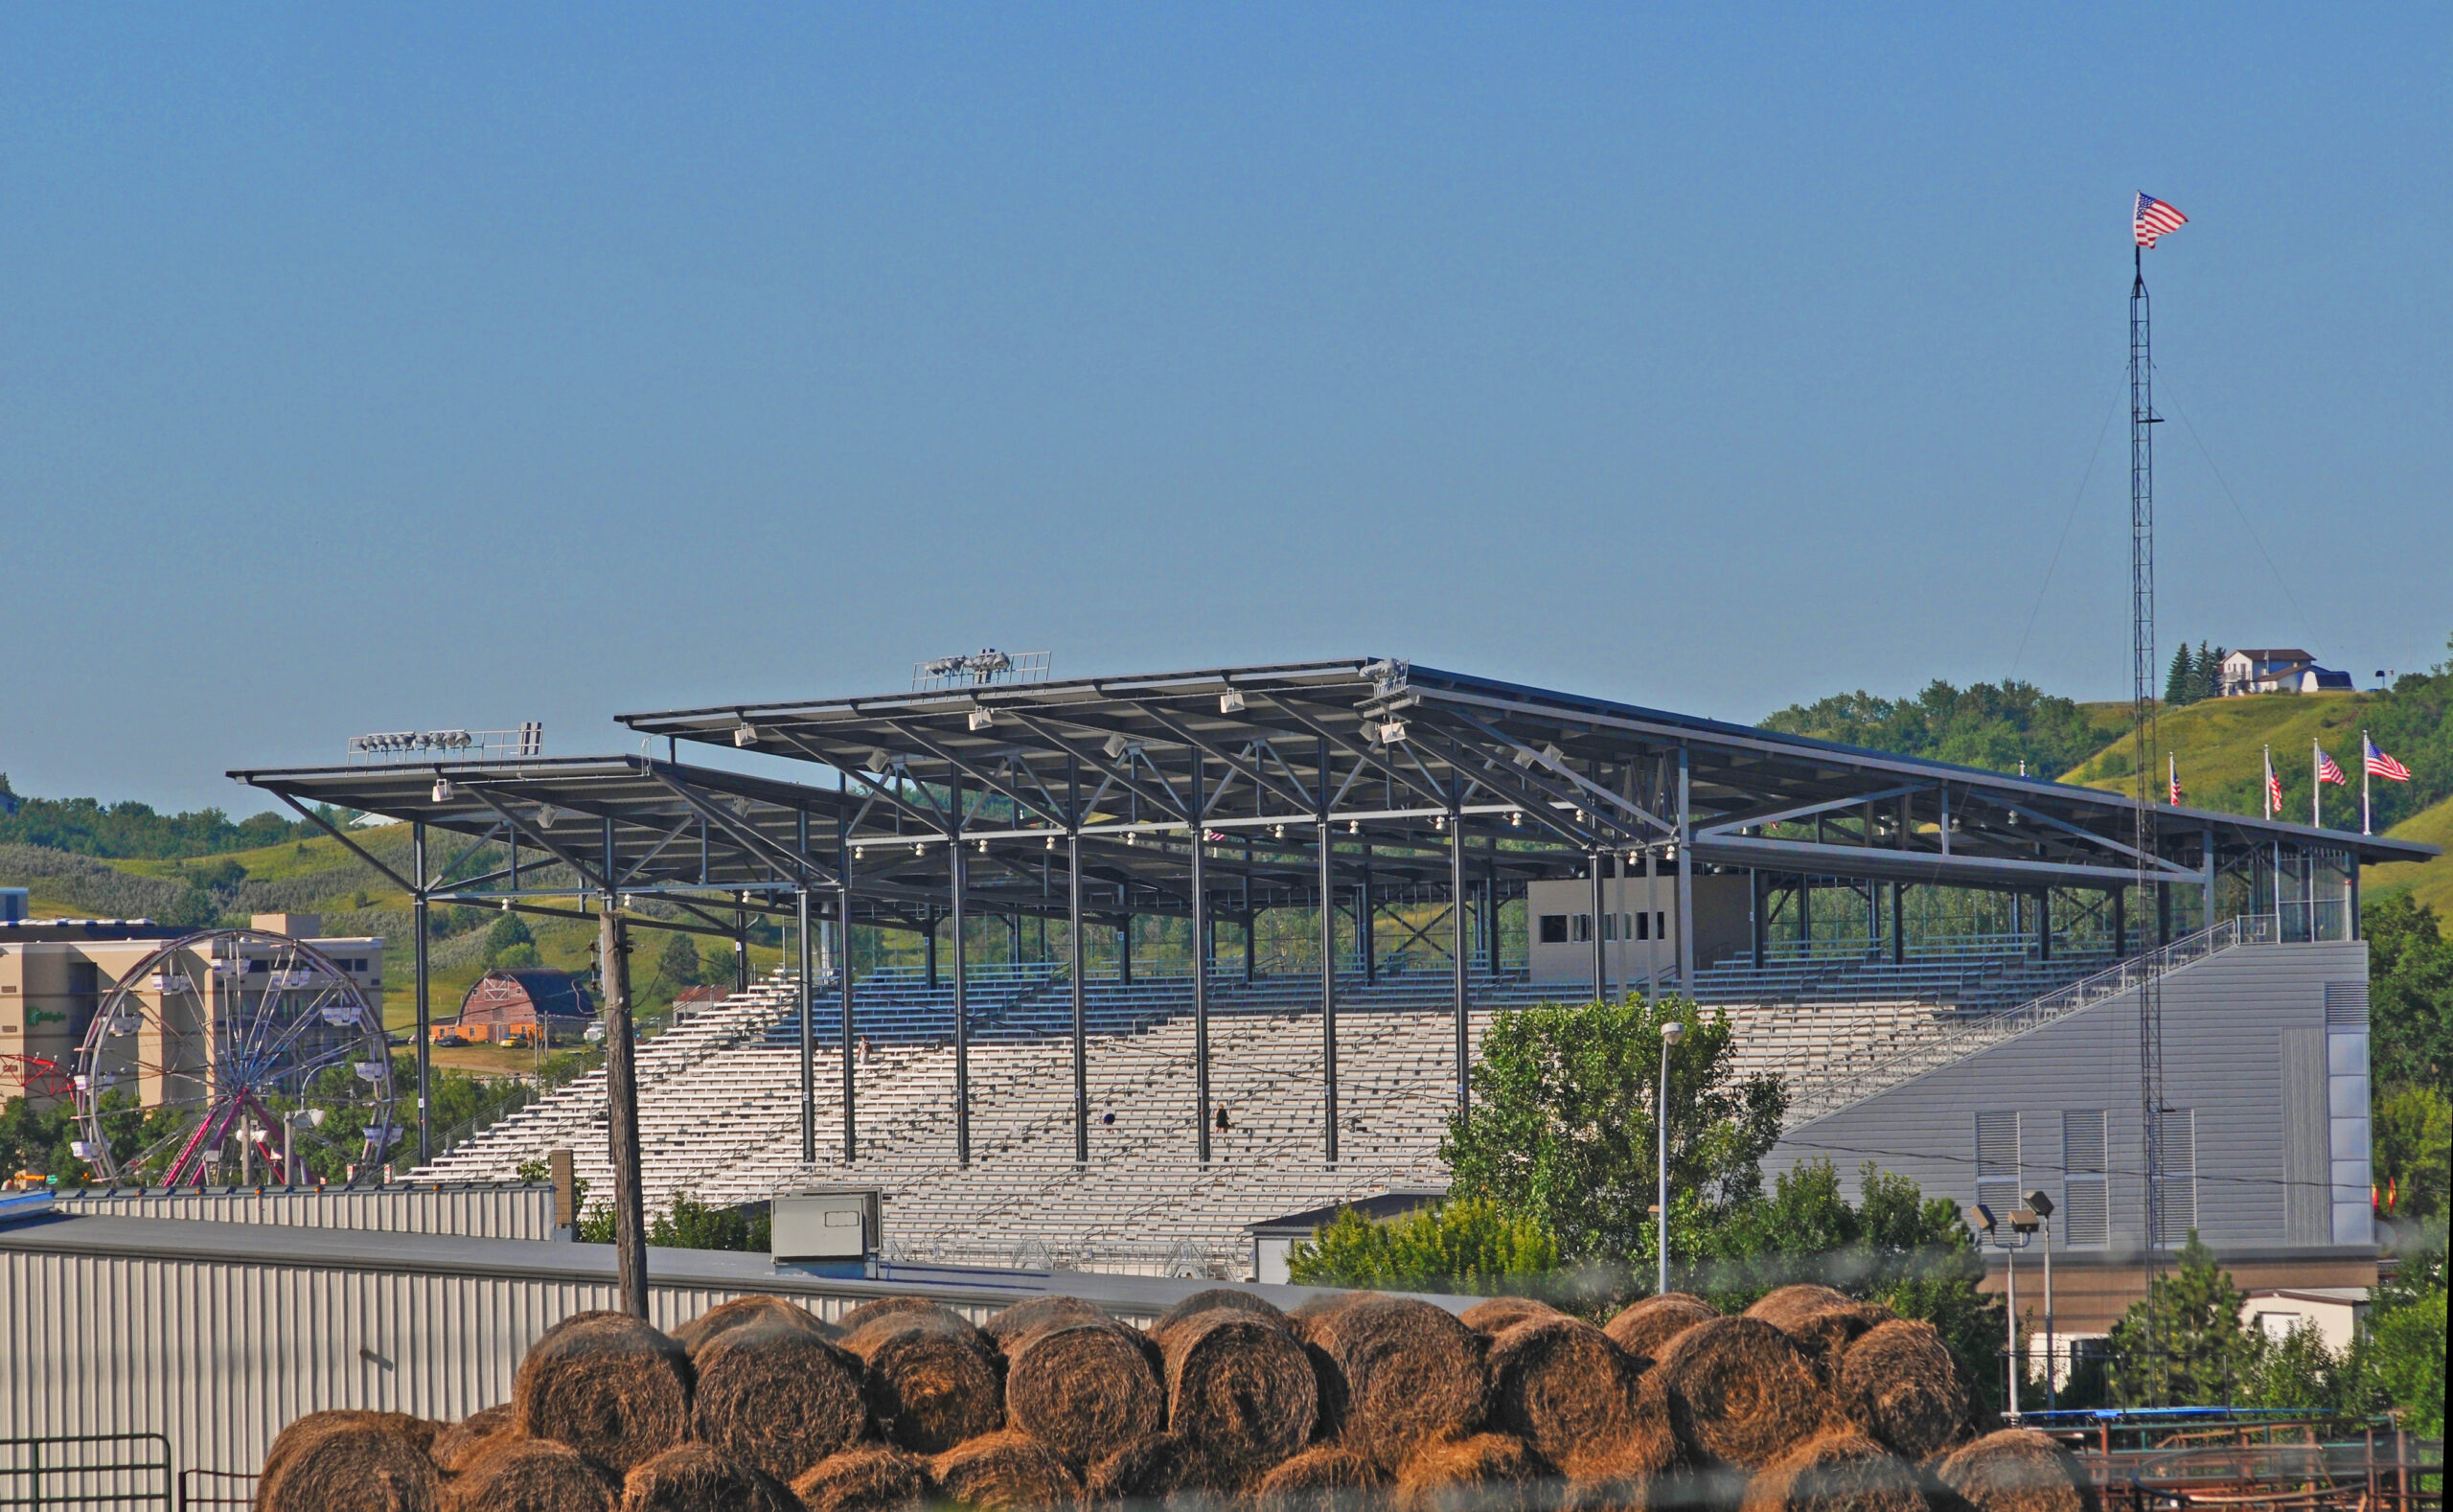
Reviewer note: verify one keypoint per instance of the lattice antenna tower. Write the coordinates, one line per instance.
(2143, 710)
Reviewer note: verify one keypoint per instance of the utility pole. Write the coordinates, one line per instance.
(622, 1098)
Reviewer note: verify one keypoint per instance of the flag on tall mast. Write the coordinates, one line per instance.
(2148, 220)
(2273, 787)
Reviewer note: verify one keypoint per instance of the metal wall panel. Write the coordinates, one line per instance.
(506, 1210)
(217, 1355)
(2225, 1023)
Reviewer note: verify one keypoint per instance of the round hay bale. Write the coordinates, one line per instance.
(415, 1430)
(1837, 1471)
(1563, 1388)
(1819, 1321)
(1456, 1474)
(1738, 1392)
(458, 1440)
(866, 1477)
(1645, 1329)
(339, 1466)
(928, 1386)
(1322, 1478)
(1006, 1471)
(1151, 1469)
(777, 1397)
(867, 1312)
(612, 1387)
(2018, 1470)
(582, 1318)
(1211, 1300)
(1900, 1385)
(700, 1477)
(1404, 1372)
(1499, 1314)
(1086, 1391)
(1240, 1390)
(1319, 1307)
(741, 1312)
(1041, 1313)
(507, 1473)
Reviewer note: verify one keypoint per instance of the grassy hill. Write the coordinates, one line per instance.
(2220, 745)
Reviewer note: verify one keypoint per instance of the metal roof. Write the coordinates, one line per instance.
(1388, 754)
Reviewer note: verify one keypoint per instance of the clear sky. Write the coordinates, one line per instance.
(371, 367)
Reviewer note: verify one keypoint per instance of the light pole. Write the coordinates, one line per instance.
(2023, 1226)
(2040, 1203)
(1670, 1034)
(314, 1117)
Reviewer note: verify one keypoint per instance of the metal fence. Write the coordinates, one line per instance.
(86, 1470)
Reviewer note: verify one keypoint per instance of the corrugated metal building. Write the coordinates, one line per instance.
(490, 1210)
(218, 1334)
(2266, 1136)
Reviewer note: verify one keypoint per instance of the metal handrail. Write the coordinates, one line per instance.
(74, 1447)
(1983, 1031)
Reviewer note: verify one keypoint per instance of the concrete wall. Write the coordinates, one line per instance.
(1640, 950)
(2265, 1047)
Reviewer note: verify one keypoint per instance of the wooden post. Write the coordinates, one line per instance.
(622, 1098)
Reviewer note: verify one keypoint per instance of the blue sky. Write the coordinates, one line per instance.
(375, 367)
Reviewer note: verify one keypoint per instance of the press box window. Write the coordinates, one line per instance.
(1583, 927)
(1555, 929)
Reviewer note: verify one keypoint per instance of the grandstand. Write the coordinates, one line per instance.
(1847, 907)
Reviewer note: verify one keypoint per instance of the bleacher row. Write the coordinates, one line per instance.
(719, 1106)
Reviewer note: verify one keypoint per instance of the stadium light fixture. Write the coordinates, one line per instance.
(2042, 1203)
(1115, 746)
(1516, 819)
(1050, 845)
(443, 790)
(1393, 731)
(878, 760)
(1551, 753)
(1354, 826)
(1525, 756)
(920, 848)
(1231, 701)
(860, 853)
(1279, 833)
(983, 847)
(745, 735)
(1980, 1218)
(546, 815)
(982, 718)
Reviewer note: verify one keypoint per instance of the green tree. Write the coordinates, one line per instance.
(2405, 1346)
(2210, 671)
(1989, 724)
(676, 965)
(1469, 1245)
(2410, 992)
(2413, 1150)
(2208, 1352)
(507, 930)
(2180, 682)
(1560, 1128)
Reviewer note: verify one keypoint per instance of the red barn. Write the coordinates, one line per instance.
(513, 1006)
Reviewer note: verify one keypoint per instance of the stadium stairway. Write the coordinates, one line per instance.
(720, 1108)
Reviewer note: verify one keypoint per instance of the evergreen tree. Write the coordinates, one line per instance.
(2180, 683)
(2208, 1355)
(677, 965)
(2210, 670)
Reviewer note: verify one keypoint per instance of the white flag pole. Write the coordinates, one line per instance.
(2363, 782)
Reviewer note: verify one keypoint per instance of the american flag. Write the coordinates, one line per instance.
(2380, 765)
(2155, 218)
(2177, 781)
(2273, 788)
(2326, 768)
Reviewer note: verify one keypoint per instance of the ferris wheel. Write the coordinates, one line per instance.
(235, 1056)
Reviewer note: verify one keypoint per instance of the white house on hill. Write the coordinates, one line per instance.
(2283, 669)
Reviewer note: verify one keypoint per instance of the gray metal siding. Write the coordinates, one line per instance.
(219, 1356)
(490, 1211)
(2225, 1026)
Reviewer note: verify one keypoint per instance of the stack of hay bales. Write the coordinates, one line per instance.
(1810, 1403)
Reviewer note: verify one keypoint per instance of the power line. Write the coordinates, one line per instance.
(2085, 478)
(2306, 628)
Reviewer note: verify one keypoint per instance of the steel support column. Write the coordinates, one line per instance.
(1899, 923)
(2211, 873)
(808, 1018)
(1456, 899)
(2044, 924)
(1328, 987)
(1199, 959)
(1600, 948)
(424, 986)
(843, 986)
(1685, 878)
(1367, 916)
(962, 996)
(1762, 897)
(1081, 995)
(2120, 923)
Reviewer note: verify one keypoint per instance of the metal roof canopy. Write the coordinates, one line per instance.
(620, 824)
(1393, 753)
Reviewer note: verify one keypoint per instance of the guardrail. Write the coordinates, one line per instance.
(1986, 1030)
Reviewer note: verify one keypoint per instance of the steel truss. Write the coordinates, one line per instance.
(1227, 793)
